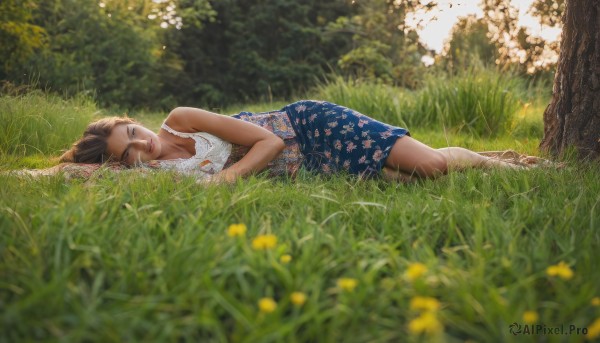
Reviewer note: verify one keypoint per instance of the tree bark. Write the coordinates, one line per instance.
(573, 116)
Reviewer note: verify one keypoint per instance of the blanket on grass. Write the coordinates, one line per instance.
(86, 171)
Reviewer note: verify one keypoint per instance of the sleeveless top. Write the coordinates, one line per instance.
(214, 154)
(210, 158)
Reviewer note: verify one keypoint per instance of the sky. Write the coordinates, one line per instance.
(439, 22)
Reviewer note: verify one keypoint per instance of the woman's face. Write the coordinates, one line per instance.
(133, 144)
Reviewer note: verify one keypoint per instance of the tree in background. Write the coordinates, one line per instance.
(254, 50)
(573, 116)
(469, 43)
(549, 12)
(160, 53)
(108, 49)
(19, 37)
(383, 47)
(518, 48)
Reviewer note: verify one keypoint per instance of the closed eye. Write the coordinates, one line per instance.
(125, 153)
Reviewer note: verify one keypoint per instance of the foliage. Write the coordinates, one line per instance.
(256, 50)
(19, 36)
(549, 12)
(469, 45)
(384, 48)
(41, 123)
(158, 54)
(95, 48)
(517, 47)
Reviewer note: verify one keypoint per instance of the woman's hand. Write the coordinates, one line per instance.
(225, 176)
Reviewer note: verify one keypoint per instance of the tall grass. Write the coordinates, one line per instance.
(379, 101)
(479, 101)
(38, 123)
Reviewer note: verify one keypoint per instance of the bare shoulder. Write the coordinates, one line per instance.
(191, 119)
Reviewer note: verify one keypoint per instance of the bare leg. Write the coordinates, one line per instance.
(411, 158)
(461, 158)
(396, 175)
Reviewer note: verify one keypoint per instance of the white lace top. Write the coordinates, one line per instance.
(211, 154)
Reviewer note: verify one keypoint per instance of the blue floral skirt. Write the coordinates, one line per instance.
(334, 138)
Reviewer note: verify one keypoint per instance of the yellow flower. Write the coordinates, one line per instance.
(267, 305)
(561, 270)
(236, 230)
(595, 301)
(593, 330)
(424, 304)
(285, 258)
(347, 284)
(415, 271)
(425, 323)
(298, 298)
(264, 242)
(530, 317)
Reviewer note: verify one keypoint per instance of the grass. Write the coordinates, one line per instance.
(39, 123)
(128, 258)
(480, 102)
(121, 257)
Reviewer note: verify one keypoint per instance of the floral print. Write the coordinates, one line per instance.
(351, 142)
(290, 160)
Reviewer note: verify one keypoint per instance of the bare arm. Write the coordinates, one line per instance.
(264, 145)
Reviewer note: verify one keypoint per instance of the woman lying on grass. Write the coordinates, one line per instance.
(318, 135)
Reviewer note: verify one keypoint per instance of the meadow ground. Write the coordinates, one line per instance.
(469, 256)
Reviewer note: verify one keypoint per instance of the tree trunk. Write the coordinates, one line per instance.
(573, 116)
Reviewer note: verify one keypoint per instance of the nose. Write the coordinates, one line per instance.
(140, 142)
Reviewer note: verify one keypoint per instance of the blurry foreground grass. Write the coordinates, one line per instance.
(129, 258)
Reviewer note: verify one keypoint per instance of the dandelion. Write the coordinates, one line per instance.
(347, 284)
(415, 271)
(264, 242)
(267, 305)
(236, 230)
(425, 323)
(285, 258)
(595, 301)
(424, 304)
(298, 298)
(530, 317)
(561, 270)
(593, 330)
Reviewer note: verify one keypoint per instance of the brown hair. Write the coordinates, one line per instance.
(91, 148)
